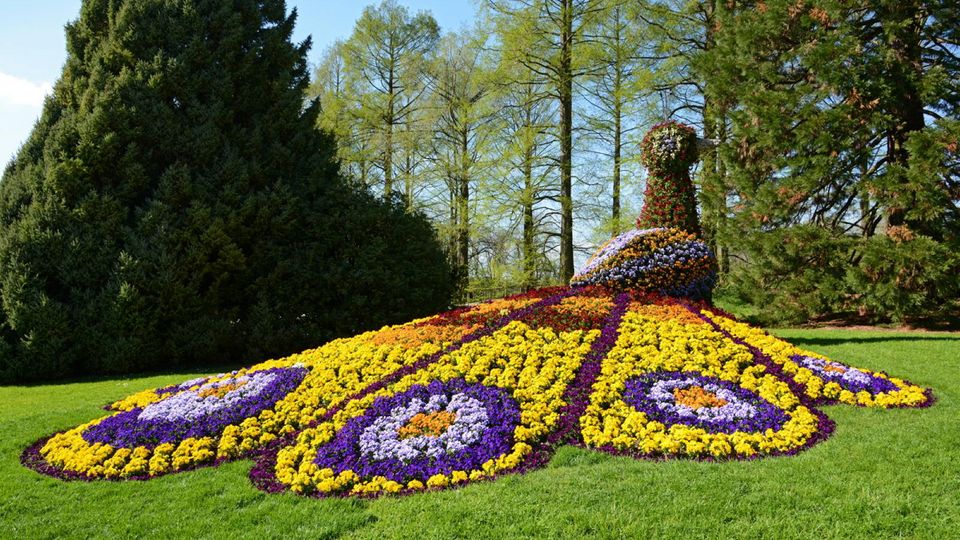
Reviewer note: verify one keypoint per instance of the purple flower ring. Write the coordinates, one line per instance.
(849, 378)
(198, 411)
(426, 430)
(712, 404)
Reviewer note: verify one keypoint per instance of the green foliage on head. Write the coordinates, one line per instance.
(668, 151)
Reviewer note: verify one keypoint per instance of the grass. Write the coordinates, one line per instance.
(883, 474)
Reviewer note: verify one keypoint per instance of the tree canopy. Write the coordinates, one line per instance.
(176, 205)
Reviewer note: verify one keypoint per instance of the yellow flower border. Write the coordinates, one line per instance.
(652, 341)
(338, 370)
(536, 365)
(780, 351)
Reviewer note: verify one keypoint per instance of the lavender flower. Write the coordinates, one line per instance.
(849, 378)
(372, 445)
(741, 409)
(659, 260)
(198, 412)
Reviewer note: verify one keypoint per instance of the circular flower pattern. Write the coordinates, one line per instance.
(710, 403)
(849, 378)
(427, 430)
(199, 411)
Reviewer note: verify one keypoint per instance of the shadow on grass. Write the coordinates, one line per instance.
(871, 339)
(178, 370)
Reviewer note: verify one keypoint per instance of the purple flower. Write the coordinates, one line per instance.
(849, 378)
(373, 444)
(736, 409)
(202, 411)
(680, 268)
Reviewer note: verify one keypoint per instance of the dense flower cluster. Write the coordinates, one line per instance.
(664, 261)
(197, 411)
(674, 397)
(528, 367)
(232, 415)
(668, 146)
(668, 151)
(182, 428)
(673, 385)
(142, 399)
(428, 430)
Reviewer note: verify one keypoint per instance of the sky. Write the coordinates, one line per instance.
(33, 48)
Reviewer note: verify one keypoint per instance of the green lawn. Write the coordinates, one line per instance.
(883, 474)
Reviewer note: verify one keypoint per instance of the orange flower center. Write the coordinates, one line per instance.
(696, 397)
(430, 425)
(220, 391)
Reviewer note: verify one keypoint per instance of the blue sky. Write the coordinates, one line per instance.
(33, 48)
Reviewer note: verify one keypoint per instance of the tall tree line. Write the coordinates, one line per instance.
(830, 183)
(500, 118)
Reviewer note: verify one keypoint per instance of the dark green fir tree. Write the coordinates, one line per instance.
(175, 205)
(841, 159)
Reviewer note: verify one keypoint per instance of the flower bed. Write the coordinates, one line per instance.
(819, 378)
(232, 415)
(518, 369)
(674, 386)
(617, 363)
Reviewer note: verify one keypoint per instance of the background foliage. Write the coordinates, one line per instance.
(833, 187)
(176, 204)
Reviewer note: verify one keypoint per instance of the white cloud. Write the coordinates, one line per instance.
(17, 91)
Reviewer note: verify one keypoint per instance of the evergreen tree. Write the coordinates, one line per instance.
(843, 133)
(175, 204)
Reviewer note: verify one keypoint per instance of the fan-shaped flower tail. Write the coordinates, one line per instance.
(673, 386)
(499, 403)
(816, 378)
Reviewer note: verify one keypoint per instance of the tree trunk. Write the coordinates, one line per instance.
(617, 125)
(388, 144)
(907, 111)
(408, 169)
(463, 238)
(529, 257)
(566, 142)
(615, 210)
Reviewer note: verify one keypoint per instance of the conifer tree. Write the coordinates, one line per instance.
(842, 152)
(175, 204)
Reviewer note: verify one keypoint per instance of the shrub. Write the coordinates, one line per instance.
(175, 204)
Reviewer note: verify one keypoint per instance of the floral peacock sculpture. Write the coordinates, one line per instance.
(631, 359)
